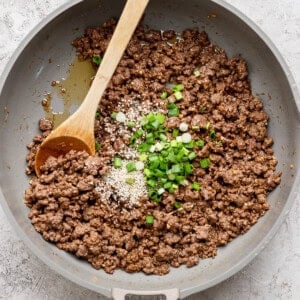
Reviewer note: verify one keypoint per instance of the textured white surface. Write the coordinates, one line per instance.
(274, 274)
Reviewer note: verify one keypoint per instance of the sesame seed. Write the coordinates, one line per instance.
(115, 181)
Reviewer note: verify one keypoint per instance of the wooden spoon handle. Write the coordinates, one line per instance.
(131, 15)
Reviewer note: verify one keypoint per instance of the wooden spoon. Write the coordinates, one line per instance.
(77, 132)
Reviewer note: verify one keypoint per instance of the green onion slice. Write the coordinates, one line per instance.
(117, 162)
(178, 95)
(130, 180)
(149, 219)
(173, 110)
(131, 167)
(97, 146)
(178, 87)
(204, 163)
(177, 204)
(164, 95)
(200, 143)
(196, 186)
(97, 60)
(212, 134)
(113, 115)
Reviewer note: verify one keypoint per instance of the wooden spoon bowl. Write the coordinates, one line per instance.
(77, 132)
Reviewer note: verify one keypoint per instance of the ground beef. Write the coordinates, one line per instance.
(66, 208)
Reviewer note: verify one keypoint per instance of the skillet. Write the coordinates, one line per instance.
(28, 75)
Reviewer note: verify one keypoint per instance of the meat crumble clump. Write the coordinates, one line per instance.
(67, 205)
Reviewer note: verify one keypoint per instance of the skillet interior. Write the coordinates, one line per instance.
(30, 77)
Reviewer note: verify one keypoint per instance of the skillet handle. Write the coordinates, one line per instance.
(120, 294)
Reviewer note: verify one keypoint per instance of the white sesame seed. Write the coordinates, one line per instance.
(115, 181)
(152, 148)
(159, 146)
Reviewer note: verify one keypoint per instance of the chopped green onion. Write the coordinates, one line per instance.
(160, 118)
(174, 143)
(204, 163)
(155, 124)
(195, 127)
(164, 95)
(168, 185)
(153, 195)
(139, 133)
(173, 110)
(130, 180)
(131, 124)
(196, 186)
(97, 60)
(144, 147)
(98, 115)
(113, 115)
(207, 125)
(153, 157)
(97, 146)
(159, 146)
(175, 169)
(190, 144)
(188, 168)
(171, 176)
(175, 133)
(150, 138)
(212, 134)
(163, 137)
(191, 155)
(151, 182)
(147, 172)
(163, 180)
(166, 164)
(117, 162)
(180, 179)
(173, 188)
(178, 95)
(178, 87)
(143, 157)
(200, 143)
(159, 174)
(149, 219)
(133, 140)
(131, 167)
(177, 204)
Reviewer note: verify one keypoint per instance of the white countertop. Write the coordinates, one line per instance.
(274, 274)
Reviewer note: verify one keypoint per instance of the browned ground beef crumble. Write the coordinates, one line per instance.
(66, 208)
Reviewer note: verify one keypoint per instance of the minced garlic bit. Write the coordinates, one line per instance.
(120, 117)
(183, 127)
(117, 181)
